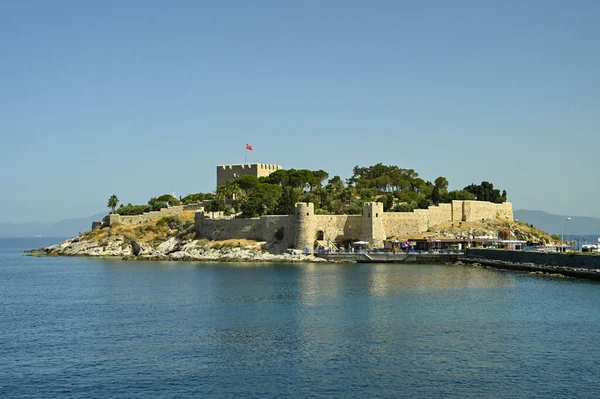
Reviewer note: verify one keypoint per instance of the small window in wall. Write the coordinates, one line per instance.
(377, 215)
(307, 213)
(320, 235)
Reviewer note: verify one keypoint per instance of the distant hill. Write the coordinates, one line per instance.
(64, 228)
(550, 223)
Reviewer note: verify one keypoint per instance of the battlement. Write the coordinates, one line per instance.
(250, 166)
(229, 172)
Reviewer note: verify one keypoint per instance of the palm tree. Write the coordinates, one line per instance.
(227, 190)
(113, 201)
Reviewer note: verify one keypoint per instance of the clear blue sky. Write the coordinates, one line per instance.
(141, 98)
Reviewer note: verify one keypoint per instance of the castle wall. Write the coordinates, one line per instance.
(271, 224)
(127, 220)
(402, 223)
(259, 229)
(457, 211)
(226, 173)
(439, 214)
(338, 228)
(374, 225)
(224, 229)
(477, 210)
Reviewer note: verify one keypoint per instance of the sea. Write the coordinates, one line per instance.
(90, 328)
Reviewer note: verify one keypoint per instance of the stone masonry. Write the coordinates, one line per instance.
(226, 173)
(374, 225)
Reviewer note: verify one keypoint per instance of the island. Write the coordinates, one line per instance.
(262, 212)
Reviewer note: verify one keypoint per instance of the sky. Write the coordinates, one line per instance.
(142, 98)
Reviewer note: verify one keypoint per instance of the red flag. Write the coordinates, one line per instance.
(248, 147)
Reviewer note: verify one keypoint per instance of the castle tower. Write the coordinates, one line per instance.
(304, 226)
(226, 173)
(372, 225)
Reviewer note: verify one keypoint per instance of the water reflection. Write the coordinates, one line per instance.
(386, 279)
(270, 330)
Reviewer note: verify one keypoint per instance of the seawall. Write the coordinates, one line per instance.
(538, 258)
(391, 258)
(571, 265)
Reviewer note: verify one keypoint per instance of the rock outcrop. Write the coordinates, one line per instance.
(172, 249)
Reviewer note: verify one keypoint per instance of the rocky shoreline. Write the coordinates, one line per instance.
(172, 249)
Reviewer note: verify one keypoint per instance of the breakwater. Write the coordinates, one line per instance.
(391, 258)
(568, 259)
(567, 264)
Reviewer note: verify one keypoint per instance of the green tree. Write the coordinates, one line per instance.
(113, 201)
(435, 195)
(441, 183)
(389, 202)
(169, 199)
(335, 184)
(247, 183)
(227, 190)
(287, 202)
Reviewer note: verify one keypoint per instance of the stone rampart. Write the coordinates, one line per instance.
(132, 220)
(337, 228)
(402, 223)
(439, 214)
(477, 210)
(302, 229)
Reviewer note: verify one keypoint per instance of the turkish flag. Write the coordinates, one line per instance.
(248, 147)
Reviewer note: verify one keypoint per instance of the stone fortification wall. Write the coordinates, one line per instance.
(457, 211)
(260, 229)
(402, 223)
(226, 173)
(439, 214)
(477, 210)
(304, 227)
(113, 218)
(223, 229)
(337, 228)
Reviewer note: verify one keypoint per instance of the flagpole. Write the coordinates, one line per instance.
(246, 157)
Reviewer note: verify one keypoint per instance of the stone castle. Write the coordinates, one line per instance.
(302, 229)
(374, 226)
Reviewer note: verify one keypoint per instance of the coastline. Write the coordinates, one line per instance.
(173, 249)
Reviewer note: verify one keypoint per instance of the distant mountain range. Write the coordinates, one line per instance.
(64, 228)
(553, 224)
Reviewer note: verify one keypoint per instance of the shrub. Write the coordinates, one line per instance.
(131, 210)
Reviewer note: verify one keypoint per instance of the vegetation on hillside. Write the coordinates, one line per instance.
(152, 232)
(400, 190)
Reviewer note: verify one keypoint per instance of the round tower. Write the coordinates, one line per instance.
(304, 229)
(372, 226)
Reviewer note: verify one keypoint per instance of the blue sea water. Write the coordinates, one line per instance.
(80, 328)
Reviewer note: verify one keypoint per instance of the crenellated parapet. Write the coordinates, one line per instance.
(229, 172)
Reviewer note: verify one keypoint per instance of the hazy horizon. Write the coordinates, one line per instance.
(139, 99)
